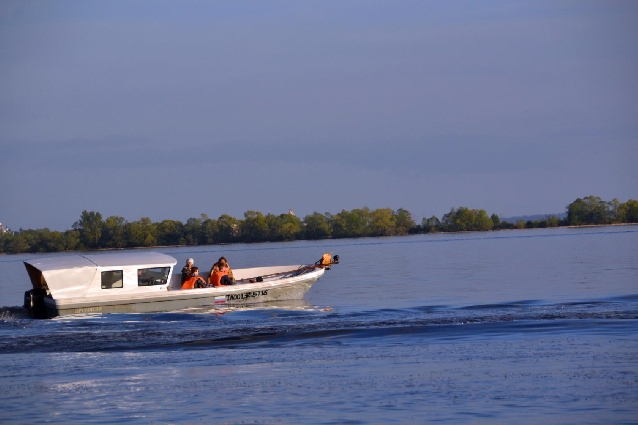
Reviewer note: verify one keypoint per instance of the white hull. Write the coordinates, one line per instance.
(144, 282)
(277, 289)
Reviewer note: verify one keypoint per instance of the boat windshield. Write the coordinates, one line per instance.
(152, 276)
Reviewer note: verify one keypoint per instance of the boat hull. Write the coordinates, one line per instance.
(292, 288)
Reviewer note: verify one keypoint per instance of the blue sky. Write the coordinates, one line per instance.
(173, 109)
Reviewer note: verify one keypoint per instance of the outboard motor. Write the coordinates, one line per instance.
(34, 302)
(327, 260)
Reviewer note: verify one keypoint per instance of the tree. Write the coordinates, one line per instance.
(404, 222)
(448, 221)
(382, 222)
(617, 214)
(631, 214)
(141, 233)
(71, 240)
(482, 221)
(90, 227)
(357, 222)
(351, 224)
(169, 232)
(431, 224)
(495, 220)
(254, 227)
(465, 219)
(286, 227)
(113, 232)
(15, 243)
(193, 231)
(57, 242)
(553, 221)
(316, 226)
(338, 224)
(292, 227)
(228, 228)
(589, 210)
(210, 228)
(20, 243)
(37, 240)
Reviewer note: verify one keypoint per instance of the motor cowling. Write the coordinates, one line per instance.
(34, 302)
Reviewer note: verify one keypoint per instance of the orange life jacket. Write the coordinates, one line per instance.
(190, 282)
(216, 277)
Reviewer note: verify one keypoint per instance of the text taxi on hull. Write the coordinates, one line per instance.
(142, 282)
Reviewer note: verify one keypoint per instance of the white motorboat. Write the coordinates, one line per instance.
(142, 282)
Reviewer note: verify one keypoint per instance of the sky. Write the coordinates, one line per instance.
(173, 109)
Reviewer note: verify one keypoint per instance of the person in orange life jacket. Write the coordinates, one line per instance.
(212, 270)
(195, 281)
(220, 276)
(187, 270)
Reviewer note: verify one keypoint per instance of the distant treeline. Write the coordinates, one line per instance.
(91, 231)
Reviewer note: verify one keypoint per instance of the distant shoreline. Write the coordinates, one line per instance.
(602, 225)
(328, 239)
(92, 232)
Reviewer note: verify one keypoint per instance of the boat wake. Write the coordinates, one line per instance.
(304, 324)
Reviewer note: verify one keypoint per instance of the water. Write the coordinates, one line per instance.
(506, 327)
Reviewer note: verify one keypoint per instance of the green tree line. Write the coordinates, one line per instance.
(92, 231)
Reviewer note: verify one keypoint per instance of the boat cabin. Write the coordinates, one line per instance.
(104, 274)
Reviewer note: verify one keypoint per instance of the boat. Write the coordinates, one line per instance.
(145, 282)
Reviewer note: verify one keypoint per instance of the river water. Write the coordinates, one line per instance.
(523, 326)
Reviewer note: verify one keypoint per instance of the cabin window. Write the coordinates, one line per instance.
(153, 276)
(112, 279)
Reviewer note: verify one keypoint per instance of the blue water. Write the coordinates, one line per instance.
(522, 326)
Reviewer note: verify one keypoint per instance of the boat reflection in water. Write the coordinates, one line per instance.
(299, 304)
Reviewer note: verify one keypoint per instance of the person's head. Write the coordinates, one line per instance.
(190, 262)
(222, 260)
(194, 270)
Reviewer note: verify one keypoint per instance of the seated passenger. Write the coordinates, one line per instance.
(212, 270)
(219, 276)
(187, 271)
(195, 281)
